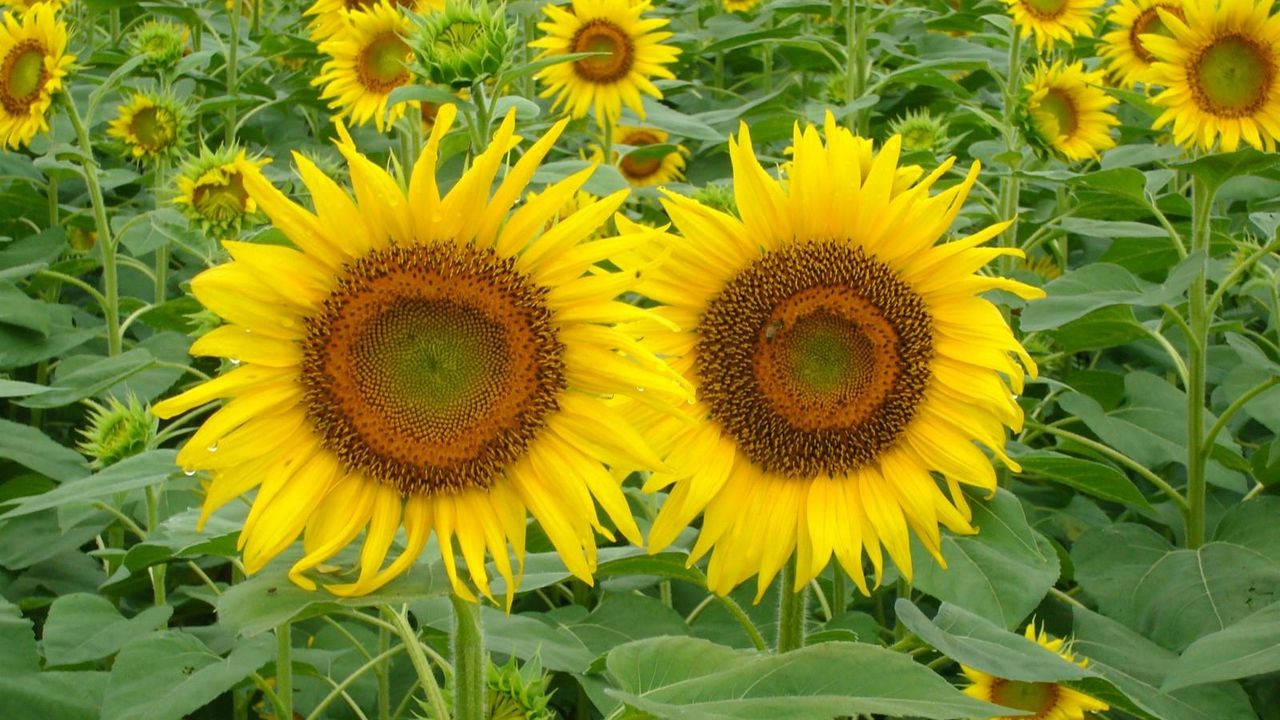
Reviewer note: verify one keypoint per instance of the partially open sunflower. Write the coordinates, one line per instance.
(211, 190)
(368, 59)
(841, 358)
(1221, 74)
(433, 363)
(632, 53)
(1070, 111)
(1039, 700)
(33, 61)
(1053, 20)
(1128, 59)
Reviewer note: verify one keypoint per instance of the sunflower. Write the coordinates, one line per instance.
(151, 126)
(441, 364)
(642, 168)
(211, 190)
(368, 62)
(1221, 74)
(33, 61)
(741, 6)
(632, 52)
(330, 17)
(840, 359)
(162, 42)
(1042, 700)
(1127, 58)
(1069, 110)
(1051, 20)
(25, 5)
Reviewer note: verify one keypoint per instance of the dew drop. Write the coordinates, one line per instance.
(639, 389)
(188, 473)
(213, 448)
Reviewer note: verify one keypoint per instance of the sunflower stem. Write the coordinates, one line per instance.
(1010, 185)
(110, 280)
(838, 593)
(1197, 348)
(382, 671)
(427, 678)
(856, 61)
(158, 179)
(468, 661)
(284, 665)
(791, 610)
(233, 79)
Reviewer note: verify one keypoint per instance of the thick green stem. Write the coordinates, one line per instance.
(856, 60)
(159, 178)
(1010, 185)
(838, 593)
(110, 278)
(1197, 361)
(468, 661)
(233, 77)
(791, 610)
(744, 621)
(153, 521)
(419, 659)
(284, 670)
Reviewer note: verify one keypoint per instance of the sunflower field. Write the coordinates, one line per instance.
(627, 359)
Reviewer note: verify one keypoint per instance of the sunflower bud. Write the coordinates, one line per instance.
(116, 431)
(463, 44)
(211, 191)
(920, 131)
(514, 692)
(151, 126)
(717, 196)
(161, 42)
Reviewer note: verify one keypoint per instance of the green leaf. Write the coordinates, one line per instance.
(1112, 228)
(167, 675)
(149, 468)
(690, 679)
(20, 311)
(1126, 182)
(1249, 647)
(1094, 478)
(1100, 285)
(91, 379)
(1253, 525)
(665, 565)
(1001, 573)
(971, 640)
(1137, 667)
(1110, 560)
(17, 388)
(31, 448)
(1106, 327)
(53, 695)
(84, 627)
(1217, 168)
(19, 642)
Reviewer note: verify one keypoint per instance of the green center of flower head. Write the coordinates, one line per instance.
(1046, 9)
(1232, 77)
(431, 366)
(459, 36)
(1035, 697)
(154, 127)
(382, 63)
(1063, 118)
(24, 76)
(221, 202)
(602, 36)
(814, 358)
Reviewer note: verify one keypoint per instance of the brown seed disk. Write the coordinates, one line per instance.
(603, 36)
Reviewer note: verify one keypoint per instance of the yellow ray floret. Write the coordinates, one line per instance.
(438, 363)
(33, 62)
(1070, 110)
(631, 48)
(1052, 21)
(1037, 700)
(1128, 59)
(842, 358)
(1220, 69)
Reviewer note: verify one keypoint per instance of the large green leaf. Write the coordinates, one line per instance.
(689, 678)
(1253, 525)
(1001, 573)
(149, 468)
(53, 695)
(1138, 668)
(84, 627)
(973, 641)
(1249, 647)
(1110, 560)
(18, 640)
(170, 674)
(1094, 478)
(92, 379)
(31, 448)
(1099, 285)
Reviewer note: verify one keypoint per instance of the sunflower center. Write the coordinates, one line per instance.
(1149, 23)
(1059, 106)
(1035, 697)
(382, 63)
(24, 76)
(431, 367)
(639, 167)
(153, 127)
(814, 358)
(221, 201)
(1232, 77)
(1045, 9)
(603, 36)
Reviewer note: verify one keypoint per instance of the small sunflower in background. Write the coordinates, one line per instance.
(330, 17)
(739, 6)
(640, 168)
(1221, 74)
(211, 191)
(1039, 700)
(1128, 59)
(632, 54)
(25, 5)
(1069, 111)
(841, 358)
(441, 364)
(368, 60)
(1053, 20)
(161, 42)
(33, 62)
(150, 125)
